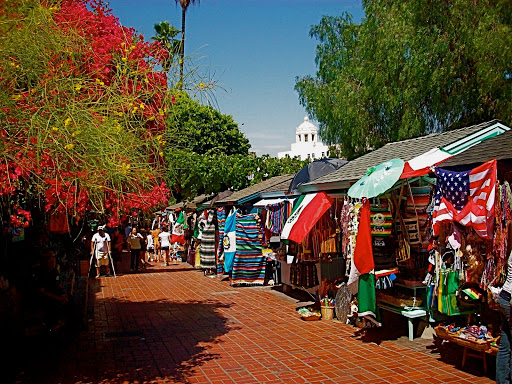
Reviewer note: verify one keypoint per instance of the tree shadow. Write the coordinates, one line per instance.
(158, 269)
(142, 342)
(393, 328)
(378, 335)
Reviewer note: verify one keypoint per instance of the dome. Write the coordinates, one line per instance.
(306, 127)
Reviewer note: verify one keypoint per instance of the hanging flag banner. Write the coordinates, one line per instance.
(178, 229)
(466, 198)
(307, 211)
(229, 241)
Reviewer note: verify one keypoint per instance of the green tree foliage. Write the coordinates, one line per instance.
(202, 129)
(206, 152)
(409, 68)
(191, 174)
(166, 36)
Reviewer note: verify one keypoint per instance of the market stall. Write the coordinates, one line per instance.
(312, 259)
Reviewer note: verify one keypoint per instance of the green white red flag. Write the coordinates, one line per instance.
(307, 211)
(178, 229)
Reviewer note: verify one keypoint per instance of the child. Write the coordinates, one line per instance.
(150, 248)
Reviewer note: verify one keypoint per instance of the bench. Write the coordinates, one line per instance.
(409, 313)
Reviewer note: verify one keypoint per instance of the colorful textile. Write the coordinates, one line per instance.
(307, 211)
(277, 214)
(197, 263)
(366, 300)
(249, 262)
(447, 297)
(229, 241)
(221, 222)
(417, 204)
(467, 198)
(363, 254)
(362, 262)
(208, 246)
(381, 223)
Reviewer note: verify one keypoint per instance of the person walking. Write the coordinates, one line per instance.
(150, 246)
(135, 246)
(143, 246)
(101, 247)
(165, 244)
(155, 232)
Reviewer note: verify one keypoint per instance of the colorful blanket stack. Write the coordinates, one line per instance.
(249, 263)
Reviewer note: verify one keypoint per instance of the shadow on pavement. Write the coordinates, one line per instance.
(141, 342)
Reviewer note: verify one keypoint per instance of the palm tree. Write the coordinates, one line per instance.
(165, 34)
(184, 6)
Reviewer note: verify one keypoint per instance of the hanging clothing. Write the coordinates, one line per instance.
(249, 263)
(208, 246)
(221, 222)
(229, 241)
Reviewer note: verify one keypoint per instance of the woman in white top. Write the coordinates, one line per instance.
(165, 244)
(150, 246)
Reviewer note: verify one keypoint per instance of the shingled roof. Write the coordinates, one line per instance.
(405, 150)
(190, 204)
(274, 184)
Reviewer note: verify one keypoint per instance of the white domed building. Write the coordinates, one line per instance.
(306, 143)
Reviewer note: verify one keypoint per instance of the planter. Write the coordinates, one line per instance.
(327, 313)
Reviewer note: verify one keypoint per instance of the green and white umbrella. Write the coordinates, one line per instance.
(377, 180)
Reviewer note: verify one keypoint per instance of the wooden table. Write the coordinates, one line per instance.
(410, 314)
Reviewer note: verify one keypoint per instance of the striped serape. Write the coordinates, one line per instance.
(249, 263)
(277, 214)
(208, 246)
(221, 220)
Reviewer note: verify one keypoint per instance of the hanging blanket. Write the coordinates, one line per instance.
(208, 246)
(249, 262)
(276, 217)
(221, 220)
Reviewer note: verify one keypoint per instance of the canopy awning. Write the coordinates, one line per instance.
(307, 211)
(421, 165)
(264, 202)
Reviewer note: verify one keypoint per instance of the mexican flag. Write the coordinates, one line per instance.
(178, 229)
(306, 212)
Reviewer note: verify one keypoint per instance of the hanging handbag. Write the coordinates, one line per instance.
(448, 288)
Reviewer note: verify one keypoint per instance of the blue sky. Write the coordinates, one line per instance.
(253, 49)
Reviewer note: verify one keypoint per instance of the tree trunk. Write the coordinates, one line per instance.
(182, 48)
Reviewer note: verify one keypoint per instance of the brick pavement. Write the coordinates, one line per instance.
(174, 325)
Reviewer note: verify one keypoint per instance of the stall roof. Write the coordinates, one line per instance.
(498, 147)
(265, 202)
(274, 184)
(190, 204)
(405, 149)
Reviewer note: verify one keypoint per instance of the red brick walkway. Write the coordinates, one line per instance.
(174, 325)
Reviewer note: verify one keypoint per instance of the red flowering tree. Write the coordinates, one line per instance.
(82, 111)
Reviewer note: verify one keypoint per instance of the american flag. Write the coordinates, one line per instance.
(467, 198)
